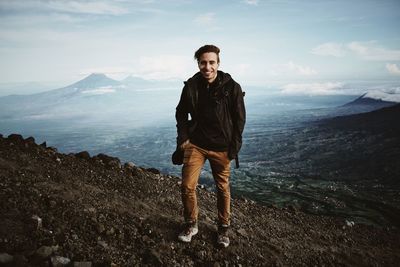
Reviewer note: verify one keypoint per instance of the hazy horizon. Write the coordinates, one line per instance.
(307, 45)
(356, 87)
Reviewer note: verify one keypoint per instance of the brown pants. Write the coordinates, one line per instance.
(194, 159)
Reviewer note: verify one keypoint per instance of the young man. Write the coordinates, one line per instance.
(215, 104)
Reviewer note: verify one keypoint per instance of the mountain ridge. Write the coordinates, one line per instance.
(376, 98)
(95, 96)
(387, 115)
(94, 80)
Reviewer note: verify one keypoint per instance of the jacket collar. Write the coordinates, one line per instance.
(222, 78)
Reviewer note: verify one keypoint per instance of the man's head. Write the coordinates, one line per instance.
(207, 58)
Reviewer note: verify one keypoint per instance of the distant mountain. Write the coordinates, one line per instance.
(372, 100)
(96, 97)
(94, 84)
(77, 99)
(382, 120)
(377, 99)
(134, 80)
(95, 80)
(364, 146)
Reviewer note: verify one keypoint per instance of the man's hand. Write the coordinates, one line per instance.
(184, 144)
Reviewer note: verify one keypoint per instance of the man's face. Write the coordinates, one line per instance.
(208, 66)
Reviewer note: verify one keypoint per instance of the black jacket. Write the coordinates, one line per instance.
(230, 111)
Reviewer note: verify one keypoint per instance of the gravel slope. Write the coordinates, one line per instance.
(77, 210)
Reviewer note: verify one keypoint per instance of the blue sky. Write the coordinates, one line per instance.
(300, 45)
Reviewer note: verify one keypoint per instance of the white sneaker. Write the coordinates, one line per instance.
(223, 239)
(187, 234)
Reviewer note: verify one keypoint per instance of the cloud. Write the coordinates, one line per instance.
(205, 19)
(87, 7)
(95, 7)
(369, 51)
(299, 69)
(329, 49)
(329, 88)
(291, 68)
(365, 50)
(161, 67)
(164, 67)
(393, 69)
(393, 90)
(99, 91)
(241, 69)
(251, 2)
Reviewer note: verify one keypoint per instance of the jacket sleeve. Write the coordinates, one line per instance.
(181, 116)
(238, 114)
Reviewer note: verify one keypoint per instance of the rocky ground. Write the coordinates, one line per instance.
(78, 210)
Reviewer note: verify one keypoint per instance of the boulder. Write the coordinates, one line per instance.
(83, 155)
(109, 161)
(17, 138)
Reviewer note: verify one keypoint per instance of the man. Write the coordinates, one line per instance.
(215, 104)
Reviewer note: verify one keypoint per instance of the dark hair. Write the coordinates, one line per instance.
(206, 49)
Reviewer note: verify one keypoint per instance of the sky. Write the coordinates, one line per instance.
(315, 46)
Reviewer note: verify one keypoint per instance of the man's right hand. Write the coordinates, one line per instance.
(184, 144)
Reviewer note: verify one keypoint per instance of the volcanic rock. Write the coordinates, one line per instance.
(96, 215)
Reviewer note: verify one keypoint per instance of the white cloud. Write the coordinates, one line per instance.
(241, 69)
(164, 67)
(383, 95)
(251, 2)
(299, 69)
(329, 49)
(207, 21)
(291, 68)
(368, 51)
(329, 88)
(393, 69)
(87, 7)
(393, 90)
(99, 91)
(365, 50)
(104, 7)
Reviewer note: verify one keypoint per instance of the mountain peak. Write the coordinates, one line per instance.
(376, 99)
(95, 80)
(135, 79)
(96, 75)
(383, 96)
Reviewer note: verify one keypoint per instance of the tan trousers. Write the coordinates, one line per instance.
(194, 159)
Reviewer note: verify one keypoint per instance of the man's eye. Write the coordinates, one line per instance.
(210, 62)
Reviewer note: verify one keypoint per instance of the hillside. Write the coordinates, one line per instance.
(381, 120)
(91, 211)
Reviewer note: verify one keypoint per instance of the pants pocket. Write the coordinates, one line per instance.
(187, 153)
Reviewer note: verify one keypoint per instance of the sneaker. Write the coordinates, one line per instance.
(190, 230)
(223, 239)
